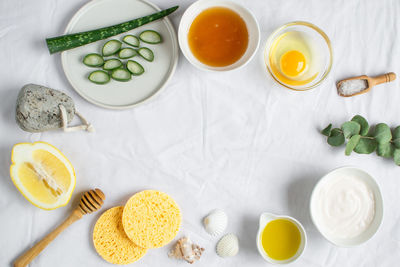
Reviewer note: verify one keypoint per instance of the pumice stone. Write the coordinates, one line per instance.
(41, 109)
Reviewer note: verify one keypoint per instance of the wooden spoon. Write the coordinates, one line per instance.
(371, 82)
(91, 201)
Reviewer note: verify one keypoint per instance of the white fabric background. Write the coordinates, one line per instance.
(233, 140)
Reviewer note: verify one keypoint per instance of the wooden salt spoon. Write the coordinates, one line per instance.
(91, 201)
(371, 82)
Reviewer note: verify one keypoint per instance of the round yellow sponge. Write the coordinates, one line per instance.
(110, 240)
(151, 219)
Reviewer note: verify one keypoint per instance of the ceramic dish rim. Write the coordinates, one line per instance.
(293, 258)
(172, 67)
(182, 36)
(379, 197)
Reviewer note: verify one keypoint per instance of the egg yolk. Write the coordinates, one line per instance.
(292, 63)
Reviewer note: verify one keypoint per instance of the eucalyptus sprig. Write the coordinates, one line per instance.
(363, 141)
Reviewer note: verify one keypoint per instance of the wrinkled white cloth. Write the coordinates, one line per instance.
(235, 140)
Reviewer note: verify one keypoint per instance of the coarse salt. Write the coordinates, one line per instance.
(351, 87)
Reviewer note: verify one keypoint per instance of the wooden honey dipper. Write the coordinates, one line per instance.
(91, 201)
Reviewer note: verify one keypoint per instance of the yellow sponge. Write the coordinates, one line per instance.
(110, 240)
(151, 219)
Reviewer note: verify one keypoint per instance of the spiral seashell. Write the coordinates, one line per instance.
(215, 223)
(228, 246)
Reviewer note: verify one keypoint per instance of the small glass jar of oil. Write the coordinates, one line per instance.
(280, 239)
(298, 55)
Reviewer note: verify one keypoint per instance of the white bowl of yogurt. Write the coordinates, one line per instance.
(346, 206)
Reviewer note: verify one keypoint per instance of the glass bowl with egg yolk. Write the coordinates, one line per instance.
(298, 55)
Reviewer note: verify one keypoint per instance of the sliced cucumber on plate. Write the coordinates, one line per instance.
(125, 53)
(146, 53)
(150, 37)
(93, 60)
(134, 67)
(131, 40)
(114, 68)
(112, 63)
(111, 47)
(99, 77)
(121, 75)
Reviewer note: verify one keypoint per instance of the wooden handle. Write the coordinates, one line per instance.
(384, 78)
(28, 256)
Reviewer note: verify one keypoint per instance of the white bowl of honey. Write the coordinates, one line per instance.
(218, 35)
(298, 55)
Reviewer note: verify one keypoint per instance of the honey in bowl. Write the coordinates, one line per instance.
(218, 37)
(281, 239)
(293, 59)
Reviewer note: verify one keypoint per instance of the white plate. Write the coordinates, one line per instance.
(120, 95)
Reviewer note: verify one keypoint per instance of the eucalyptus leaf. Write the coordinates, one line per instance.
(385, 142)
(365, 146)
(382, 133)
(352, 144)
(385, 150)
(396, 137)
(336, 138)
(363, 123)
(350, 128)
(396, 132)
(327, 130)
(396, 142)
(396, 156)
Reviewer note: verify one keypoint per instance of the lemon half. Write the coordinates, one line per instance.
(42, 174)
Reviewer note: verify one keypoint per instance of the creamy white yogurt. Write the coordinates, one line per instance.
(344, 206)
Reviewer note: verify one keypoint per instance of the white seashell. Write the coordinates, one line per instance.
(215, 223)
(228, 246)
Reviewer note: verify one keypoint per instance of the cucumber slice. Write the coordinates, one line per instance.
(150, 37)
(112, 64)
(121, 75)
(134, 67)
(111, 47)
(146, 53)
(99, 77)
(131, 40)
(93, 60)
(127, 53)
